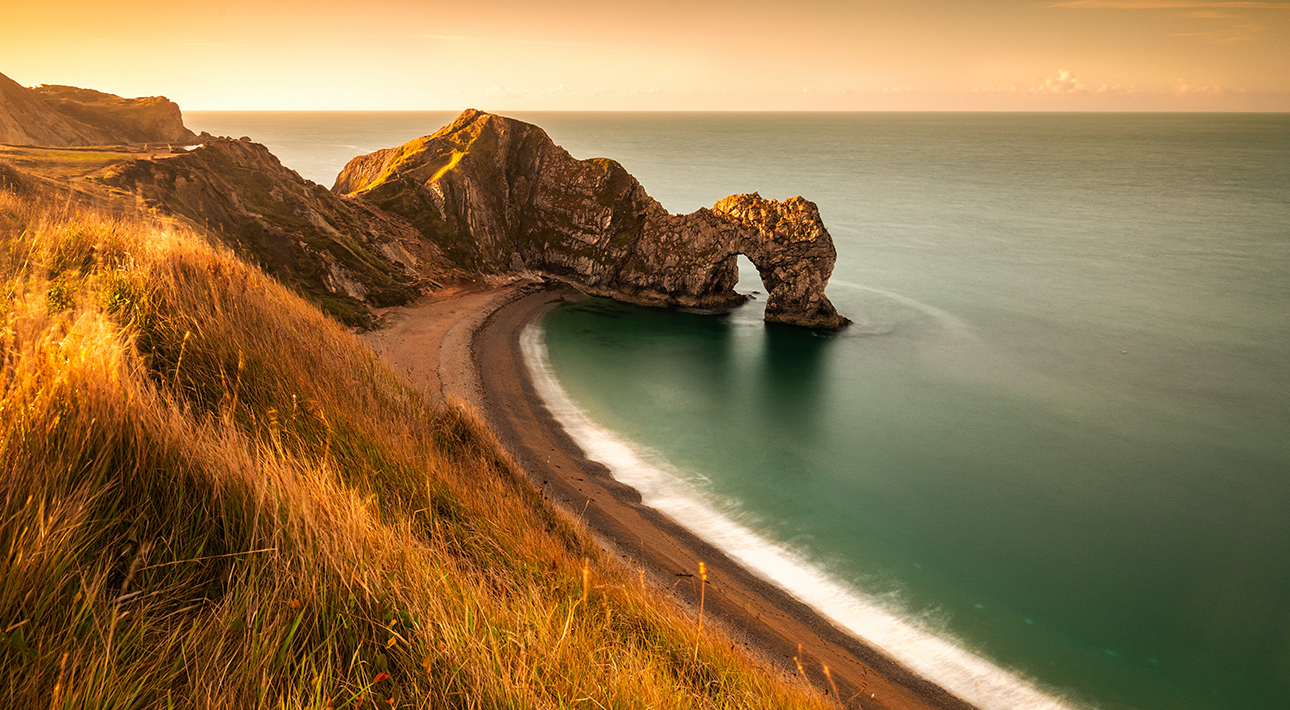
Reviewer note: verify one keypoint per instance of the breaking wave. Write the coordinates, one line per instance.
(925, 650)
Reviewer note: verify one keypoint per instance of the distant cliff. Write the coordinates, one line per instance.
(498, 196)
(62, 116)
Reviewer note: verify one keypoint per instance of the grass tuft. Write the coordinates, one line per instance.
(212, 495)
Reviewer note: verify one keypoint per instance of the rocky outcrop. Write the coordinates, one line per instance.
(345, 255)
(63, 116)
(793, 253)
(498, 196)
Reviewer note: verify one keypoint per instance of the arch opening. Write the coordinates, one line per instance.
(750, 282)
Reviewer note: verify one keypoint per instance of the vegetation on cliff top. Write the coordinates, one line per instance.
(147, 119)
(68, 116)
(342, 254)
(212, 495)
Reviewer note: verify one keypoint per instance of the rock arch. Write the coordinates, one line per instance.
(496, 195)
(793, 253)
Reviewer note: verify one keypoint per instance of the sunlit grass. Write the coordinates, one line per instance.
(62, 164)
(211, 495)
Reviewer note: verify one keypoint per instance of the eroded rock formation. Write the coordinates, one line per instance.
(497, 196)
(485, 195)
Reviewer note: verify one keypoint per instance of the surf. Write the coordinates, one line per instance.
(875, 619)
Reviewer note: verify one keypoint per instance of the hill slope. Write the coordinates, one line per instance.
(211, 495)
(344, 254)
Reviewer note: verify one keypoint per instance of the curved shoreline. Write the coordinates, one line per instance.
(481, 363)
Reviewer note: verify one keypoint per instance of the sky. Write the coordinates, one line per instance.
(809, 55)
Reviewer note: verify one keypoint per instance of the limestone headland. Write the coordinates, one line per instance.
(497, 196)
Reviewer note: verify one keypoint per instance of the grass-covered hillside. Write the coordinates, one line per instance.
(211, 495)
(343, 255)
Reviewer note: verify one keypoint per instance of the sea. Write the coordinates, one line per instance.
(1047, 466)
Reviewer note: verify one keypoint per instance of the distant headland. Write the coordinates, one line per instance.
(65, 116)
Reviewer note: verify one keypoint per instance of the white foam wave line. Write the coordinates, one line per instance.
(947, 319)
(932, 656)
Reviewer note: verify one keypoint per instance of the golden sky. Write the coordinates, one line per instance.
(1070, 55)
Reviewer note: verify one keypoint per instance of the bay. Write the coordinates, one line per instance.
(1057, 434)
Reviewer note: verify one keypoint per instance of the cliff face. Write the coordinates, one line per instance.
(497, 195)
(148, 119)
(345, 255)
(26, 120)
(793, 253)
(63, 116)
(485, 195)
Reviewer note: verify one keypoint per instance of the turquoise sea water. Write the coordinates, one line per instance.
(1058, 435)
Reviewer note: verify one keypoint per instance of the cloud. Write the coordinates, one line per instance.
(1063, 83)
(504, 92)
(1198, 9)
(1172, 5)
(570, 93)
(1228, 35)
(1182, 87)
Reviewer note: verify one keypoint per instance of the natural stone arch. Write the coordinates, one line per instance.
(496, 195)
(793, 253)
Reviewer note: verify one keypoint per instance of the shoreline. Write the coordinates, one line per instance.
(473, 344)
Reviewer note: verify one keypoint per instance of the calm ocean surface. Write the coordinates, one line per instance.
(1052, 456)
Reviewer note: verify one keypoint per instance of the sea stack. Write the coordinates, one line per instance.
(497, 195)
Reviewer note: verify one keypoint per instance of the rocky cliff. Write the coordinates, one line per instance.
(486, 195)
(346, 255)
(498, 196)
(62, 116)
(147, 119)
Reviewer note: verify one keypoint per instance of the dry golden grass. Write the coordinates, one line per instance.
(213, 496)
(63, 163)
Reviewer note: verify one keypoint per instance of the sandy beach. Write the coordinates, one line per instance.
(464, 346)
